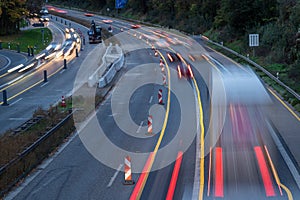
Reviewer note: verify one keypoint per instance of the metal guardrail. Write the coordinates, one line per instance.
(291, 91)
(27, 151)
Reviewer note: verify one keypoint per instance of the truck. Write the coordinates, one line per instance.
(95, 33)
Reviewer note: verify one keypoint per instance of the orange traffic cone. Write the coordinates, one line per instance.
(63, 102)
(127, 171)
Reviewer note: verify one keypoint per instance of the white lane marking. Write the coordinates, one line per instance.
(151, 98)
(12, 81)
(112, 179)
(218, 63)
(8, 62)
(15, 102)
(62, 71)
(139, 129)
(18, 118)
(285, 156)
(44, 84)
(132, 63)
(112, 115)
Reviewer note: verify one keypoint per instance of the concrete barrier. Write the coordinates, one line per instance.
(112, 62)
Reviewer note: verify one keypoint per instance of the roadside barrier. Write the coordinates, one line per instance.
(150, 128)
(63, 102)
(160, 98)
(112, 62)
(127, 171)
(164, 80)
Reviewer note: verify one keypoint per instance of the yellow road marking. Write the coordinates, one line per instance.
(284, 104)
(201, 141)
(172, 49)
(168, 105)
(35, 84)
(4, 75)
(162, 131)
(201, 137)
(290, 196)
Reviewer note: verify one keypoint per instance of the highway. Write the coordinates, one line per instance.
(202, 146)
(27, 90)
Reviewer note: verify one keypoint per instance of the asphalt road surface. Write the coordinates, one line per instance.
(230, 152)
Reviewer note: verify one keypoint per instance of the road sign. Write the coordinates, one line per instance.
(253, 40)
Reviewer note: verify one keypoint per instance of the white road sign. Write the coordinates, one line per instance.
(253, 40)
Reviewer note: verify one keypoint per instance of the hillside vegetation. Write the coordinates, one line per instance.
(227, 21)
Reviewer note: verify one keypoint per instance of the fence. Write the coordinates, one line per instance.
(23, 163)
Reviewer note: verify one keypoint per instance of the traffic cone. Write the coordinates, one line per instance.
(150, 129)
(127, 171)
(160, 99)
(63, 102)
(163, 70)
(164, 80)
(161, 64)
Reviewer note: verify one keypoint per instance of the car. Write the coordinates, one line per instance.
(181, 70)
(44, 11)
(184, 70)
(135, 26)
(107, 21)
(162, 43)
(41, 24)
(44, 19)
(173, 57)
(189, 71)
(61, 11)
(88, 14)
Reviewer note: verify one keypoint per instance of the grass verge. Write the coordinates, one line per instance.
(30, 37)
(14, 146)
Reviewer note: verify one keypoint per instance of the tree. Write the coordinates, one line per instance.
(11, 13)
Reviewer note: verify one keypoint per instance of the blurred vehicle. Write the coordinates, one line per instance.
(107, 21)
(162, 43)
(44, 19)
(184, 71)
(189, 71)
(61, 11)
(69, 47)
(44, 11)
(173, 57)
(181, 70)
(41, 24)
(135, 26)
(95, 33)
(88, 14)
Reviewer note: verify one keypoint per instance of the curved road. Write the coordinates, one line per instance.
(245, 161)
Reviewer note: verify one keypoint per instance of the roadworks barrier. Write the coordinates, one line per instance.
(112, 62)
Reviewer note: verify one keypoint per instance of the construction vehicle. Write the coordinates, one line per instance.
(94, 33)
